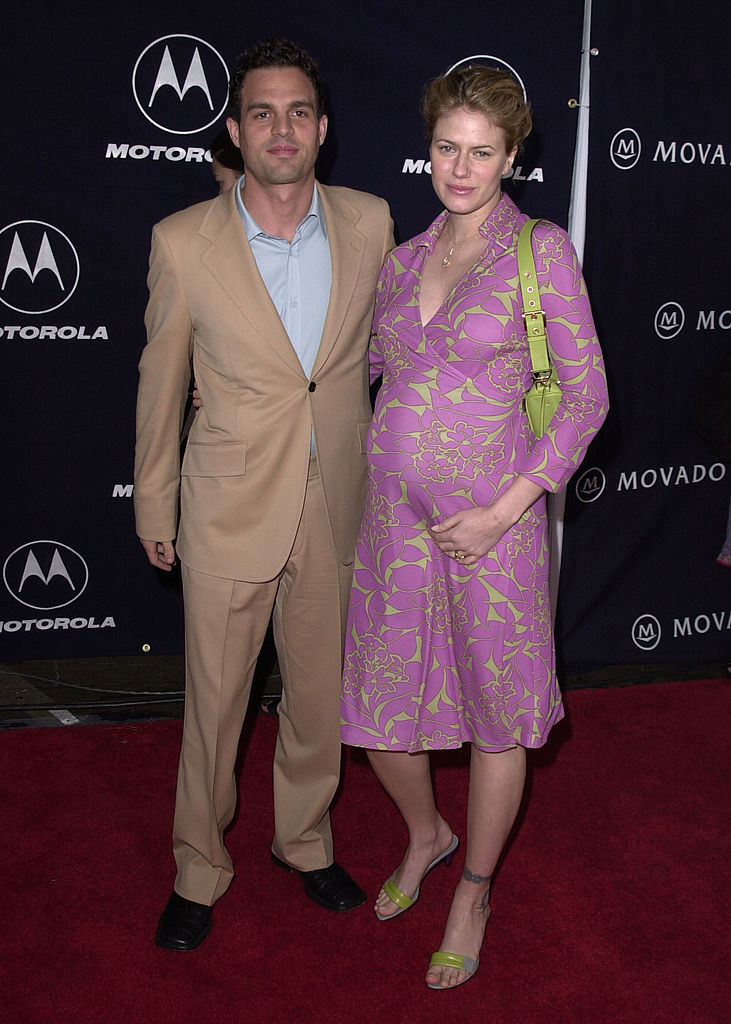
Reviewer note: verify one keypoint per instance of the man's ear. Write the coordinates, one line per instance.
(233, 131)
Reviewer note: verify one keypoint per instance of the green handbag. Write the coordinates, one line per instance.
(542, 398)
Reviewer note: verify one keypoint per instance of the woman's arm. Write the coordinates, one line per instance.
(578, 359)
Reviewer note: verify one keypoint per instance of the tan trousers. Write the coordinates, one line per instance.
(225, 625)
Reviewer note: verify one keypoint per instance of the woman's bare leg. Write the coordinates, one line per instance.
(407, 780)
(496, 789)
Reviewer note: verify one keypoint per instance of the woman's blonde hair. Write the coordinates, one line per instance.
(490, 91)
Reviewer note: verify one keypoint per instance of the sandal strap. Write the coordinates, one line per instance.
(456, 960)
(396, 895)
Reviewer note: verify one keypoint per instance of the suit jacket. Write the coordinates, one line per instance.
(245, 467)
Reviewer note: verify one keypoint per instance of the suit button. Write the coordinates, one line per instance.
(312, 386)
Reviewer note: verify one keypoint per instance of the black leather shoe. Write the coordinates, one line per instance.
(183, 924)
(331, 887)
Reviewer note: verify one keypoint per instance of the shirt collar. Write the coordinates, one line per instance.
(252, 229)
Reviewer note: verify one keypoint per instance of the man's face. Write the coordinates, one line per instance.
(279, 133)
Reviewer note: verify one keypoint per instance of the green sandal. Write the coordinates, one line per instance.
(399, 898)
(460, 963)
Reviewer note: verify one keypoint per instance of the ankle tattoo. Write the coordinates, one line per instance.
(469, 876)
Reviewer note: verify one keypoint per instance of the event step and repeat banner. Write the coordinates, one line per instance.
(108, 123)
(647, 512)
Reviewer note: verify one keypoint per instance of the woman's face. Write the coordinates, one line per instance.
(225, 177)
(468, 160)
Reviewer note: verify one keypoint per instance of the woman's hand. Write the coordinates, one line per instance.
(469, 534)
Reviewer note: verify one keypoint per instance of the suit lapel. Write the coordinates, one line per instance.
(230, 260)
(347, 249)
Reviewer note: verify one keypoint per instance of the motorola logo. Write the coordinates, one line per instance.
(180, 84)
(590, 485)
(39, 267)
(625, 149)
(646, 632)
(669, 320)
(488, 61)
(45, 574)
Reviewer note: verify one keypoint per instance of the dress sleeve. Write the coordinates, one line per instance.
(383, 291)
(552, 459)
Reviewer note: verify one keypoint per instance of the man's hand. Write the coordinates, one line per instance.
(160, 553)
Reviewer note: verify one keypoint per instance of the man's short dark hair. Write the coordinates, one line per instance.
(273, 53)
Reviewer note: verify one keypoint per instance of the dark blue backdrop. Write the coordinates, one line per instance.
(112, 112)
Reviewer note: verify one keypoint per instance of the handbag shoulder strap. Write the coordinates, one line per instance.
(533, 316)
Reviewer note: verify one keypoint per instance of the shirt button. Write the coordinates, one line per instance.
(312, 386)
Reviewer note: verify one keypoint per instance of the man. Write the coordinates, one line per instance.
(269, 288)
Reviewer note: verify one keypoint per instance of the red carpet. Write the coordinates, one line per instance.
(609, 908)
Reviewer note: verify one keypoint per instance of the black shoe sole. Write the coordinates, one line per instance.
(188, 947)
(331, 907)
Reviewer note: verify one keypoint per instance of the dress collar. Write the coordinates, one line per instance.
(498, 228)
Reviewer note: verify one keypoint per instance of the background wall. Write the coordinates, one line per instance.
(108, 120)
(646, 513)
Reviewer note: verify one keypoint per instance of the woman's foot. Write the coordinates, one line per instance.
(423, 853)
(464, 933)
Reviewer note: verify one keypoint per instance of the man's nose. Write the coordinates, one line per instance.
(281, 125)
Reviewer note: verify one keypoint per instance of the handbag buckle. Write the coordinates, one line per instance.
(542, 377)
(535, 322)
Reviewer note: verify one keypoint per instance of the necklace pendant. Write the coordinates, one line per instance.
(448, 258)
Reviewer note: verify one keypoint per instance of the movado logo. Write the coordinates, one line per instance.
(669, 320)
(590, 485)
(625, 149)
(40, 267)
(180, 84)
(646, 632)
(45, 574)
(487, 60)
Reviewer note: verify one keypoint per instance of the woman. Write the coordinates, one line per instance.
(226, 160)
(449, 636)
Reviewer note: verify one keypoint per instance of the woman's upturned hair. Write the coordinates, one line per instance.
(489, 91)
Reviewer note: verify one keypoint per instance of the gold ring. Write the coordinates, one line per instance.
(459, 555)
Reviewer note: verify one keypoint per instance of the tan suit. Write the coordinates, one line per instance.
(262, 524)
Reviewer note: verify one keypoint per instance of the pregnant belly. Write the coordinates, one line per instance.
(436, 464)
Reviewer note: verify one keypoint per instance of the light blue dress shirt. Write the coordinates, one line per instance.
(297, 275)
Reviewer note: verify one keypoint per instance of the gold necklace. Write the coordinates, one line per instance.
(446, 260)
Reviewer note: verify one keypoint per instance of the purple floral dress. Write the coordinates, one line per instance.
(437, 653)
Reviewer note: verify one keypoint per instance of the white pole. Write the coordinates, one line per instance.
(577, 206)
(577, 231)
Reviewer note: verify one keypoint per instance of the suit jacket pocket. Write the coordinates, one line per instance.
(226, 459)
